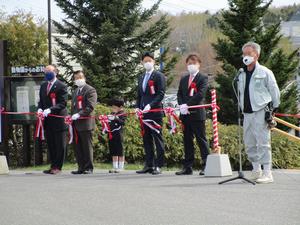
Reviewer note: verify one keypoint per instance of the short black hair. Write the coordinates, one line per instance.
(77, 72)
(147, 54)
(193, 56)
(116, 102)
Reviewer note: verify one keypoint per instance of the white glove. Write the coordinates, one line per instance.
(46, 112)
(147, 108)
(75, 116)
(183, 109)
(111, 117)
(39, 111)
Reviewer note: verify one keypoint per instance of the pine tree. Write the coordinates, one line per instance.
(109, 37)
(240, 24)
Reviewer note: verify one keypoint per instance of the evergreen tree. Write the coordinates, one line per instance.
(109, 37)
(240, 24)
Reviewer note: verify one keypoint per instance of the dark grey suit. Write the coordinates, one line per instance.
(84, 127)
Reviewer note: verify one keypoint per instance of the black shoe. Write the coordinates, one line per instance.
(202, 173)
(87, 172)
(47, 171)
(77, 172)
(185, 171)
(156, 171)
(145, 170)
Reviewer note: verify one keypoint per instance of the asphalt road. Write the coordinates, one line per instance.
(128, 198)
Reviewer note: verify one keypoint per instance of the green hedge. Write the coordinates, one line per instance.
(286, 153)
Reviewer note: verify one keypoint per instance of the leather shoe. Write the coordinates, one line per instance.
(77, 172)
(87, 172)
(185, 171)
(47, 171)
(202, 173)
(156, 171)
(145, 170)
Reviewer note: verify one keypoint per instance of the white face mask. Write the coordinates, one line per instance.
(247, 60)
(148, 66)
(193, 68)
(80, 82)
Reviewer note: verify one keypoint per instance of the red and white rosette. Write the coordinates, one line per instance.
(79, 101)
(151, 86)
(69, 121)
(105, 125)
(193, 89)
(39, 127)
(53, 98)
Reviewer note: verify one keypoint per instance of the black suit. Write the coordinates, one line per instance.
(55, 128)
(194, 122)
(155, 101)
(84, 127)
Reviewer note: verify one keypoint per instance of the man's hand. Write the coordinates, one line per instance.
(147, 108)
(39, 111)
(75, 116)
(184, 109)
(46, 112)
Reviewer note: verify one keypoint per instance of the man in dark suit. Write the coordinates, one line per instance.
(53, 100)
(84, 100)
(192, 91)
(151, 91)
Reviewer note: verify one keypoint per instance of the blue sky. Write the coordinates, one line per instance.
(39, 7)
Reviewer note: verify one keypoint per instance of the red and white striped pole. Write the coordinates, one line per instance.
(216, 147)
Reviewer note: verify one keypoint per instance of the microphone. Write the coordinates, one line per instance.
(236, 78)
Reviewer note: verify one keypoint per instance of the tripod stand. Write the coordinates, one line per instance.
(240, 172)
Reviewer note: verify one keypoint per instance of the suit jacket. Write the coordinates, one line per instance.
(154, 99)
(59, 90)
(198, 98)
(89, 100)
(118, 122)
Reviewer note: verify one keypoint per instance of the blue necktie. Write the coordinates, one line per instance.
(146, 78)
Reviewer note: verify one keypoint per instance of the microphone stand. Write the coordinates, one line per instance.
(240, 172)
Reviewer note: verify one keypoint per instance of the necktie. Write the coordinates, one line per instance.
(146, 78)
(191, 79)
(48, 87)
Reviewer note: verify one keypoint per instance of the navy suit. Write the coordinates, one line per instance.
(194, 122)
(155, 101)
(55, 128)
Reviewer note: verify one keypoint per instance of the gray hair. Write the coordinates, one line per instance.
(253, 45)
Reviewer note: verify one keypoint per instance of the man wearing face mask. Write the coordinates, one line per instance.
(53, 100)
(192, 90)
(84, 99)
(258, 90)
(151, 91)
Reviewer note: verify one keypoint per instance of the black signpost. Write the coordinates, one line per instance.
(20, 93)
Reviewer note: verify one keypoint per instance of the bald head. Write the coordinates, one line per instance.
(50, 72)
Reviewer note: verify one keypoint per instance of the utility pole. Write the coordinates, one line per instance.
(49, 33)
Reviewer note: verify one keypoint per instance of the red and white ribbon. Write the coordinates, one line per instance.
(53, 98)
(215, 118)
(172, 117)
(193, 89)
(69, 121)
(152, 125)
(139, 114)
(39, 127)
(151, 86)
(105, 125)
